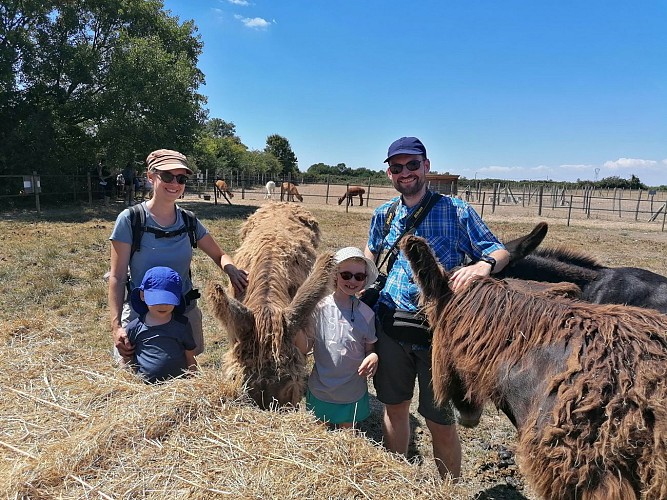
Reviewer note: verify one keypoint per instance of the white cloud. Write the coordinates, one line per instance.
(243, 3)
(254, 22)
(624, 163)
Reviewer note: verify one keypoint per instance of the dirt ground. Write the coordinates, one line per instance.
(489, 464)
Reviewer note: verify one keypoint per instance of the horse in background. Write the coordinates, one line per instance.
(289, 189)
(223, 189)
(285, 283)
(599, 284)
(351, 192)
(270, 190)
(584, 384)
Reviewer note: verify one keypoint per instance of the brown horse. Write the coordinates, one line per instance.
(223, 188)
(285, 283)
(290, 191)
(351, 193)
(584, 384)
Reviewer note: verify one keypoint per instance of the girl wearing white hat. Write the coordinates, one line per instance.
(344, 348)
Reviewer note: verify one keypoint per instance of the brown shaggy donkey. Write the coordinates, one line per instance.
(223, 189)
(285, 284)
(291, 191)
(584, 384)
(351, 193)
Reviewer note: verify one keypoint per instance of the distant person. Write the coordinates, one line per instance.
(344, 348)
(104, 179)
(454, 231)
(129, 175)
(164, 347)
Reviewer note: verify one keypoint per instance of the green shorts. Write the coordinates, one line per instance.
(339, 413)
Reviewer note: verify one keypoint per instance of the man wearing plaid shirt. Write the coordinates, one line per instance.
(456, 234)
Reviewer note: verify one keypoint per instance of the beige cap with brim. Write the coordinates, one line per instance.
(167, 159)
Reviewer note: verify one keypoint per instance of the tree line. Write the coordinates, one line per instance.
(89, 80)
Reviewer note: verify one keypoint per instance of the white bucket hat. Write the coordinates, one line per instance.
(354, 253)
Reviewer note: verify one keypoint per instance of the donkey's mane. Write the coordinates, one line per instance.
(568, 256)
(494, 326)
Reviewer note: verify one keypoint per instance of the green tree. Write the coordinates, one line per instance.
(280, 147)
(88, 78)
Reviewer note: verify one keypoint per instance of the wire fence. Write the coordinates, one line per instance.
(32, 192)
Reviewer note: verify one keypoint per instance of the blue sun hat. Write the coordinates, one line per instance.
(161, 285)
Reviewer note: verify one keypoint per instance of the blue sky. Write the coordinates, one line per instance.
(561, 90)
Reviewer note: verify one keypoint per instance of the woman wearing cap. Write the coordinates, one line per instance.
(164, 242)
(344, 347)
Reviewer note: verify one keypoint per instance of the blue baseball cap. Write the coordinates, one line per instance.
(406, 146)
(161, 285)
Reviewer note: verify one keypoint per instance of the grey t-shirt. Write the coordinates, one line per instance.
(159, 351)
(340, 347)
(174, 252)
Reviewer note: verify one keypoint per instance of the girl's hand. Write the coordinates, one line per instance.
(369, 365)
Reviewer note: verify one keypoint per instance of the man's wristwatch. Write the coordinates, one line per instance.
(489, 260)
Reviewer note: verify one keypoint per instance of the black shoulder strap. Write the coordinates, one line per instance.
(190, 224)
(415, 219)
(138, 222)
(389, 217)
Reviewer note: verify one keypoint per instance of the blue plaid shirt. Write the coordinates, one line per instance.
(453, 230)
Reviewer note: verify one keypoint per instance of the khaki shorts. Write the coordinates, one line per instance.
(399, 364)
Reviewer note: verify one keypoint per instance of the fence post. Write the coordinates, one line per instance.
(347, 198)
(481, 214)
(326, 200)
(540, 196)
(569, 211)
(639, 200)
(493, 199)
(90, 189)
(368, 193)
(36, 187)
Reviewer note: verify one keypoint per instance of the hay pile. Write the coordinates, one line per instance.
(74, 427)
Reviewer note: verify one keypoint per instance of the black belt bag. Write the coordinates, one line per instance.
(405, 326)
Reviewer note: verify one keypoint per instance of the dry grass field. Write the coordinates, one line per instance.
(72, 426)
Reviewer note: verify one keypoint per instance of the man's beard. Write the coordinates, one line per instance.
(411, 189)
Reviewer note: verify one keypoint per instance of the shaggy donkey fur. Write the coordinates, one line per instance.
(278, 251)
(584, 384)
(599, 284)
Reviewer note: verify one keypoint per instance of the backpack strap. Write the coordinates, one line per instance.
(190, 224)
(138, 223)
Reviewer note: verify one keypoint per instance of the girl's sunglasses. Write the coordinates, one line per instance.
(168, 177)
(347, 276)
(397, 168)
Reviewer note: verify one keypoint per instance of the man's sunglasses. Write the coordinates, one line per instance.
(168, 177)
(397, 168)
(347, 276)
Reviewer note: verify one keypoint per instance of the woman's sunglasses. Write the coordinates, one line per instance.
(347, 276)
(397, 168)
(168, 177)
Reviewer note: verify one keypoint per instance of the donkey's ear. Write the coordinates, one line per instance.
(236, 318)
(430, 276)
(525, 245)
(314, 289)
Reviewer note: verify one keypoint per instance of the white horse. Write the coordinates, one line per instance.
(270, 190)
